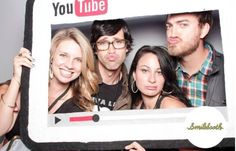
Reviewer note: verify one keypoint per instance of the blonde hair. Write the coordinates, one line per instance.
(87, 83)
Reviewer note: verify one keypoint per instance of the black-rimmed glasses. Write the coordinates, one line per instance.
(117, 44)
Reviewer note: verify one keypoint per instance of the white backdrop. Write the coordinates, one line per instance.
(12, 16)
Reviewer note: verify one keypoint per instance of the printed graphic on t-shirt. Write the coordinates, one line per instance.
(106, 98)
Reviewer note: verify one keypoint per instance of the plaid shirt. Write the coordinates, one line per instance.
(195, 86)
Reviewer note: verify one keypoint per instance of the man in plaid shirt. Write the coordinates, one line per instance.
(200, 68)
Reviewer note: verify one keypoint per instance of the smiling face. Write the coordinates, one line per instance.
(112, 58)
(66, 61)
(148, 76)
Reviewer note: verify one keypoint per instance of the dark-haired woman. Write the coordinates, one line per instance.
(153, 82)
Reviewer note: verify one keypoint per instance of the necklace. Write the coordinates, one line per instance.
(58, 98)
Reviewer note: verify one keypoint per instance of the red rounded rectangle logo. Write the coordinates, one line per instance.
(90, 7)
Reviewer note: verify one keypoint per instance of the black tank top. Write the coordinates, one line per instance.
(157, 105)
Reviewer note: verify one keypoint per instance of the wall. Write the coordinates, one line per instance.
(12, 14)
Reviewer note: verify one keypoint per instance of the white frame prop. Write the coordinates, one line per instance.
(166, 124)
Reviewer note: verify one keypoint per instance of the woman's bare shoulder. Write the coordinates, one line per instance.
(172, 102)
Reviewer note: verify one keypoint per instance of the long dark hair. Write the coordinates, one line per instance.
(168, 71)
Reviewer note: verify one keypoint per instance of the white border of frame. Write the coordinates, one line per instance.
(118, 123)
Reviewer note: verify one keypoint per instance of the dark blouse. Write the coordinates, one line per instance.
(69, 106)
(158, 103)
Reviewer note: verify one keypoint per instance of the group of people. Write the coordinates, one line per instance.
(92, 76)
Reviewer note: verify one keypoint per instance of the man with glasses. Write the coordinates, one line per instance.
(111, 41)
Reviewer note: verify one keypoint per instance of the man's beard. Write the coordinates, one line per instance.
(180, 52)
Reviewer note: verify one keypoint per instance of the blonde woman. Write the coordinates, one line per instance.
(72, 80)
